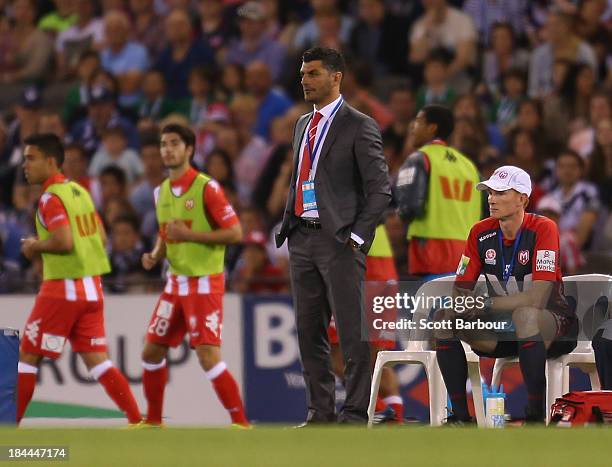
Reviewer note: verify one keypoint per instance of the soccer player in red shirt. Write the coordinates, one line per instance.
(70, 303)
(196, 222)
(518, 253)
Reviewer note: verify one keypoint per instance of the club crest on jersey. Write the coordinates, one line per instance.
(490, 255)
(523, 257)
(189, 204)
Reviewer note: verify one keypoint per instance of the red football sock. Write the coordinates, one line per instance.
(380, 405)
(154, 384)
(118, 389)
(397, 404)
(227, 391)
(25, 389)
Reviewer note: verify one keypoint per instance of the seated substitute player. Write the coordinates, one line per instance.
(196, 222)
(382, 275)
(511, 248)
(70, 304)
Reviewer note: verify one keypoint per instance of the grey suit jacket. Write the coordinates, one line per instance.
(351, 182)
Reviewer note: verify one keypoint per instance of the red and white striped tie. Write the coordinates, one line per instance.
(305, 168)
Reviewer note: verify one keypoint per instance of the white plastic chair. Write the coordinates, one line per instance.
(585, 290)
(418, 350)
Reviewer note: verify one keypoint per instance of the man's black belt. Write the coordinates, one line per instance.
(310, 223)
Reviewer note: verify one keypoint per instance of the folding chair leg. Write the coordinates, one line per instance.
(378, 368)
(554, 383)
(476, 382)
(437, 394)
(498, 369)
(594, 377)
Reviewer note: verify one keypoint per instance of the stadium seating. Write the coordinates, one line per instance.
(585, 290)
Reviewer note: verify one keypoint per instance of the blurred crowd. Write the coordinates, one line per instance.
(530, 84)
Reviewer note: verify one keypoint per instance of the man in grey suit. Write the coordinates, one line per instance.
(339, 190)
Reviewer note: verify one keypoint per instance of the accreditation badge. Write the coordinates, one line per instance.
(308, 196)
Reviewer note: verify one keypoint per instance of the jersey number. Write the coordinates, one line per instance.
(87, 224)
(159, 326)
(451, 189)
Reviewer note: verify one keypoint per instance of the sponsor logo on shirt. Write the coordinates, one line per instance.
(44, 198)
(523, 257)
(490, 255)
(545, 260)
(463, 265)
(189, 204)
(489, 235)
(406, 176)
(228, 212)
(97, 341)
(52, 343)
(59, 217)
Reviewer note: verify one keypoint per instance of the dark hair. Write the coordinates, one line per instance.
(569, 89)
(76, 147)
(149, 137)
(574, 154)
(87, 54)
(49, 144)
(117, 173)
(332, 59)
(185, 133)
(442, 117)
(502, 25)
(535, 103)
(439, 55)
(227, 161)
(127, 218)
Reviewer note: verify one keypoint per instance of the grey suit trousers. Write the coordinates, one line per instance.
(327, 277)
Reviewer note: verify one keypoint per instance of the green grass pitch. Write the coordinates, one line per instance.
(270, 446)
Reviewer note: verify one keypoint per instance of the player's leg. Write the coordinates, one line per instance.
(88, 339)
(222, 381)
(154, 379)
(532, 355)
(452, 361)
(114, 383)
(44, 335)
(389, 389)
(453, 365)
(166, 329)
(27, 371)
(204, 313)
(603, 359)
(337, 361)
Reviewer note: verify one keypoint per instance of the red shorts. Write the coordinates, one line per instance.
(53, 320)
(199, 314)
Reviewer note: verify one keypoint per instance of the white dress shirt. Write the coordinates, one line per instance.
(327, 117)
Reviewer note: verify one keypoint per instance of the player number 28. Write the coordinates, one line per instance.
(159, 326)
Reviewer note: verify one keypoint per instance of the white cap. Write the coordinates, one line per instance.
(508, 177)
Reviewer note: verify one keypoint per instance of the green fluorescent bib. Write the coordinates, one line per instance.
(88, 257)
(453, 204)
(188, 258)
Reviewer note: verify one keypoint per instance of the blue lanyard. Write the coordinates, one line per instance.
(507, 271)
(312, 154)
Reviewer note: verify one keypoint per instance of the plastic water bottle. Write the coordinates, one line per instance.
(494, 406)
